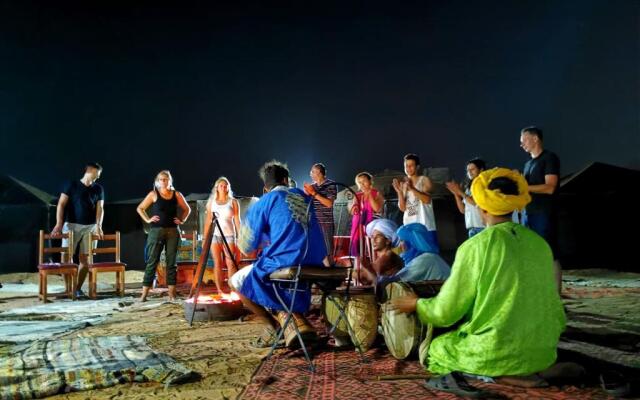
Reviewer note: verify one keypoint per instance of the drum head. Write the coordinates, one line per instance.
(401, 331)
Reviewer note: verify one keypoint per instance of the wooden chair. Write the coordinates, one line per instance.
(65, 267)
(187, 269)
(107, 266)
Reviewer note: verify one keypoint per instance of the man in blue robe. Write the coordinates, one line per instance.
(284, 225)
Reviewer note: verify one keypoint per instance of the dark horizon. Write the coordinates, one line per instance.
(219, 89)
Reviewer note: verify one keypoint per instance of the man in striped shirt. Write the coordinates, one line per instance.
(324, 192)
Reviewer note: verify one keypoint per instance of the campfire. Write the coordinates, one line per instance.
(214, 307)
(216, 298)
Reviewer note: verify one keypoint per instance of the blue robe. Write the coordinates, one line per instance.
(281, 222)
(425, 267)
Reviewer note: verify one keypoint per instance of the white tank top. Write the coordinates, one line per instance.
(224, 212)
(416, 210)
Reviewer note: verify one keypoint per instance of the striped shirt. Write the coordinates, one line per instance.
(328, 190)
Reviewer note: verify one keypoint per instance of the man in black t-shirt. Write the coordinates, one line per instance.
(81, 210)
(542, 173)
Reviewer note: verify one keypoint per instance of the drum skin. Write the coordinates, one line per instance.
(402, 332)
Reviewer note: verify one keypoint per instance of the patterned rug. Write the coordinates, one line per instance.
(47, 367)
(339, 375)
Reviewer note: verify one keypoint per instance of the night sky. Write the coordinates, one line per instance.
(214, 89)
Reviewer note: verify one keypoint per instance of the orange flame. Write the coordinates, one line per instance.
(217, 298)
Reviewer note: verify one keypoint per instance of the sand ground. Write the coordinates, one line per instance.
(220, 351)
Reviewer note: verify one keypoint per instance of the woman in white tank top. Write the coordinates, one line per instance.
(222, 204)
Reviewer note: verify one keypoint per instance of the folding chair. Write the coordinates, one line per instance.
(107, 266)
(326, 279)
(65, 267)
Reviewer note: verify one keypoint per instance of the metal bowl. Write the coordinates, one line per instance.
(213, 311)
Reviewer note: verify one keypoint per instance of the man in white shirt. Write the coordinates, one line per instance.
(414, 198)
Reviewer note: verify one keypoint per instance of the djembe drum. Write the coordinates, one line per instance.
(403, 333)
(362, 314)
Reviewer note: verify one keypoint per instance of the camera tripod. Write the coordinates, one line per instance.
(196, 284)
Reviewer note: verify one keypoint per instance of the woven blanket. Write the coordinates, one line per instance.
(47, 367)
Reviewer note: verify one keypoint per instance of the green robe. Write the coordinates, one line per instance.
(502, 289)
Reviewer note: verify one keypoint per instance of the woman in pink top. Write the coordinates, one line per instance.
(367, 203)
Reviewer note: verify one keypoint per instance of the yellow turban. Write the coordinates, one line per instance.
(494, 201)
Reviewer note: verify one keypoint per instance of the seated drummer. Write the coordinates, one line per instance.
(286, 227)
(420, 255)
(502, 290)
(382, 233)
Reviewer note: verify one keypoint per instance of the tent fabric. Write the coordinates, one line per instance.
(605, 177)
(15, 192)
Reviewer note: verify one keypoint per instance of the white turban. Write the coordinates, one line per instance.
(385, 226)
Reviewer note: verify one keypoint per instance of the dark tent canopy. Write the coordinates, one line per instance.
(597, 218)
(24, 210)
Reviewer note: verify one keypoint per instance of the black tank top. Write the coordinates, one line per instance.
(167, 210)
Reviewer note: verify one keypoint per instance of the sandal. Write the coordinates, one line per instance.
(309, 335)
(529, 381)
(453, 383)
(615, 384)
(266, 339)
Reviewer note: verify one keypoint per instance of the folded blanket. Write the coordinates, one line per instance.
(48, 367)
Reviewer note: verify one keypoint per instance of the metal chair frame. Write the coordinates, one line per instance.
(292, 285)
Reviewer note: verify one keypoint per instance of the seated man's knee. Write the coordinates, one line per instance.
(236, 280)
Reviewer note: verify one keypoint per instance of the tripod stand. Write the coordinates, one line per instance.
(196, 285)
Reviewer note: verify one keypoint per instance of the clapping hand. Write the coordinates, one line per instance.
(408, 184)
(355, 209)
(454, 188)
(309, 189)
(397, 185)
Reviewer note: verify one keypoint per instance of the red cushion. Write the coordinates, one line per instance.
(57, 265)
(107, 264)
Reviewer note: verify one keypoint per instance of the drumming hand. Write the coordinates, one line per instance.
(406, 304)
